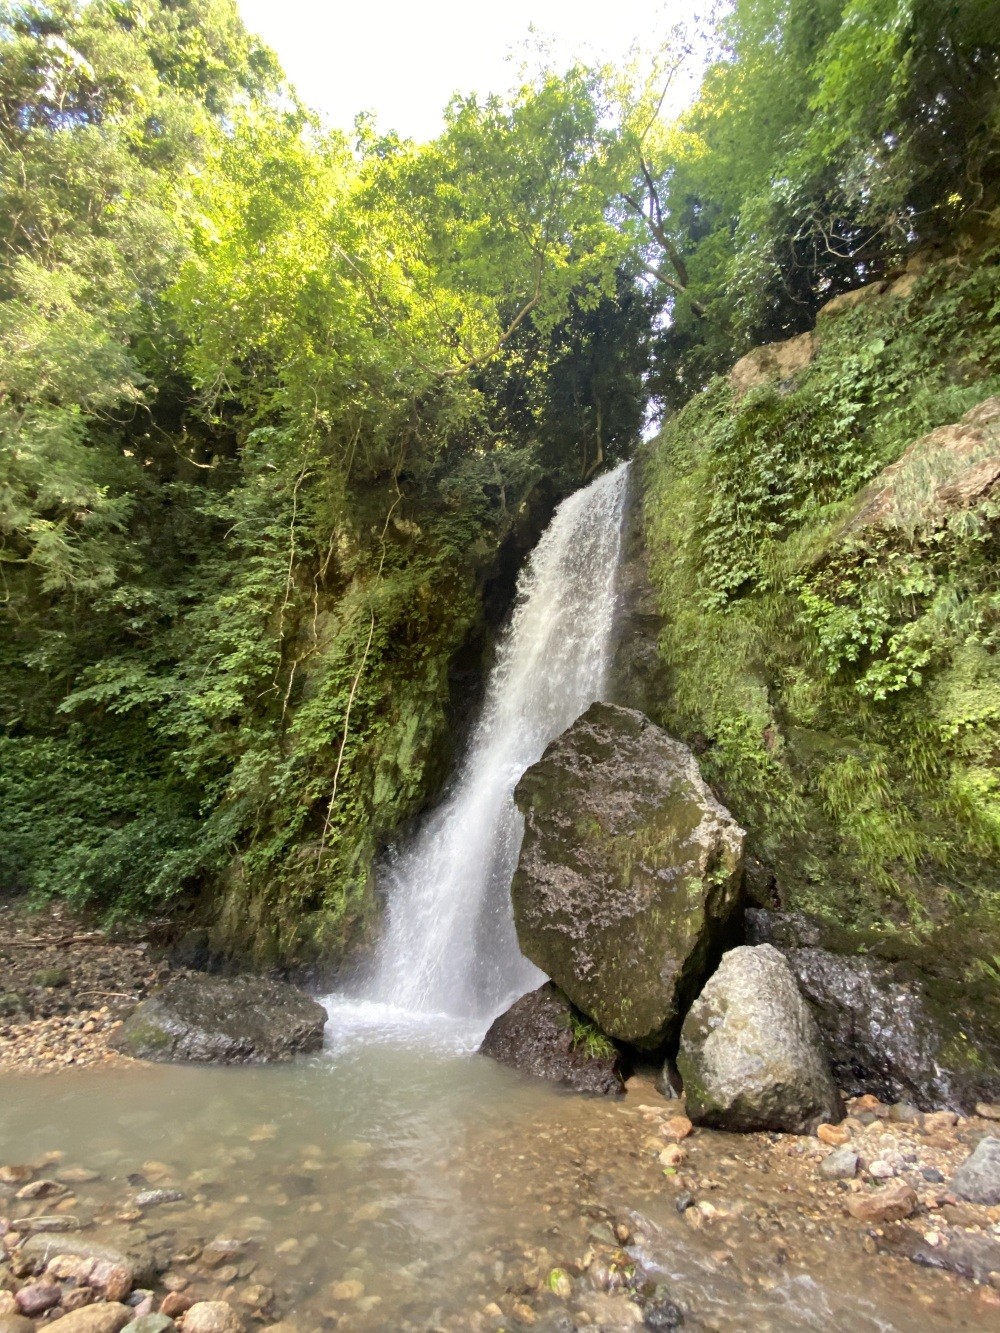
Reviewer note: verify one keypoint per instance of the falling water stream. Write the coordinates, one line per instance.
(449, 961)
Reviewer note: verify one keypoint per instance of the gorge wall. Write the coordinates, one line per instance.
(822, 538)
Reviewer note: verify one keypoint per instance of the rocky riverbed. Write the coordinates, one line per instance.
(375, 1187)
(65, 985)
(391, 1190)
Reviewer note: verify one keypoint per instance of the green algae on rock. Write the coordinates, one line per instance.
(629, 872)
(214, 1020)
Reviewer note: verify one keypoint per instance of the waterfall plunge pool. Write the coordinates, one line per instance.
(396, 1186)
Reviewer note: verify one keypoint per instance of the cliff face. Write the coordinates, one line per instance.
(823, 537)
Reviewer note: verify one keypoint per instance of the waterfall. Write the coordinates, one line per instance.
(449, 952)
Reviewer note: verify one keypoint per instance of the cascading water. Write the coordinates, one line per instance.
(449, 957)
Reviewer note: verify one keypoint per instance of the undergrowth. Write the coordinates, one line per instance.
(841, 679)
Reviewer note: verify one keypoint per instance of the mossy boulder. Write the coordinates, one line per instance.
(751, 1055)
(216, 1020)
(629, 873)
(542, 1035)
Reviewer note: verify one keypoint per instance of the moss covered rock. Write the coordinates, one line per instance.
(214, 1020)
(893, 1026)
(542, 1035)
(629, 872)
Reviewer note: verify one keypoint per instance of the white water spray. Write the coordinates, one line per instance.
(449, 957)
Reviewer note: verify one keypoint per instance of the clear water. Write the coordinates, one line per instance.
(441, 1185)
(449, 961)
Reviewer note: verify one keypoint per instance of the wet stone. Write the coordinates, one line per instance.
(38, 1297)
(888, 1204)
(175, 1303)
(103, 1318)
(150, 1323)
(212, 1317)
(16, 1323)
(151, 1198)
(978, 1178)
(841, 1164)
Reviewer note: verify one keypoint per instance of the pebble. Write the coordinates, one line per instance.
(868, 1104)
(348, 1290)
(113, 1279)
(560, 1284)
(150, 1323)
(988, 1110)
(904, 1113)
(77, 1175)
(841, 1164)
(15, 1323)
(37, 1297)
(671, 1156)
(175, 1303)
(14, 1175)
(150, 1198)
(78, 1297)
(40, 1189)
(104, 1318)
(834, 1135)
(676, 1128)
(212, 1317)
(938, 1122)
(891, 1203)
(881, 1170)
(257, 1296)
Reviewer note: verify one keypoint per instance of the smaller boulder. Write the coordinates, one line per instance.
(212, 1317)
(223, 1020)
(751, 1056)
(978, 1178)
(542, 1035)
(107, 1317)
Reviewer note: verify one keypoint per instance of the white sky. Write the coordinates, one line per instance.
(403, 61)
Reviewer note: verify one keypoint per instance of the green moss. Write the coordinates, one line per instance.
(51, 977)
(842, 686)
(142, 1036)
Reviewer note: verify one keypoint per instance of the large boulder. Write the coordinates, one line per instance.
(216, 1020)
(629, 873)
(751, 1056)
(889, 1028)
(953, 467)
(540, 1034)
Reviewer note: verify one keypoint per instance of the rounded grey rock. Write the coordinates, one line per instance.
(751, 1055)
(978, 1178)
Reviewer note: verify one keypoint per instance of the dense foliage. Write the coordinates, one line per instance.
(279, 410)
(270, 404)
(829, 139)
(840, 676)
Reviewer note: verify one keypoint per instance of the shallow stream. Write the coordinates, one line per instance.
(387, 1187)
